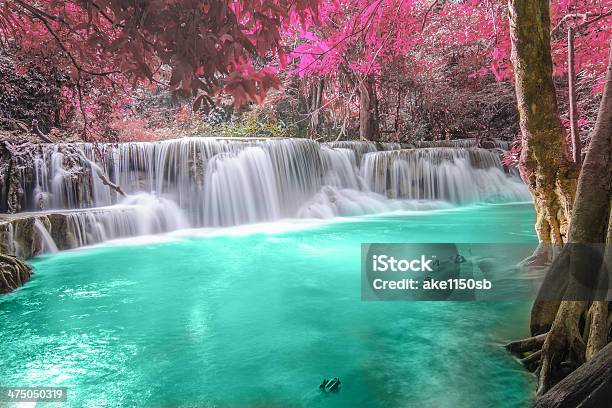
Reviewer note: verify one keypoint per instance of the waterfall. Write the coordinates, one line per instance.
(451, 174)
(260, 183)
(8, 244)
(140, 214)
(176, 169)
(362, 147)
(43, 232)
(207, 182)
(47, 244)
(340, 168)
(241, 189)
(465, 143)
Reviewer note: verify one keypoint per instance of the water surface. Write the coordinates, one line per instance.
(256, 316)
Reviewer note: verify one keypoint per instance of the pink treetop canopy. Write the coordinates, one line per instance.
(201, 47)
(359, 36)
(207, 45)
(362, 37)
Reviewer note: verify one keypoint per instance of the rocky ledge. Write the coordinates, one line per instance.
(29, 234)
(25, 235)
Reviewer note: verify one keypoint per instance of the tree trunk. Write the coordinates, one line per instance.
(368, 110)
(573, 108)
(316, 99)
(569, 343)
(590, 386)
(544, 162)
(551, 176)
(590, 217)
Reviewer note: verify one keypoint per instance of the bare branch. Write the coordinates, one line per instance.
(583, 16)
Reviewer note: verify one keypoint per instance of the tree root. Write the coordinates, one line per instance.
(39, 133)
(526, 345)
(105, 179)
(597, 328)
(531, 361)
(563, 347)
(541, 257)
(528, 350)
(587, 386)
(13, 273)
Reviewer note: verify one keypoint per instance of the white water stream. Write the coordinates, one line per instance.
(204, 182)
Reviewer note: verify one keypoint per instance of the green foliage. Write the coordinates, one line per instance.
(251, 127)
(259, 122)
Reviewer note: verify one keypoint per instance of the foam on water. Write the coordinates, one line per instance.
(332, 202)
(264, 228)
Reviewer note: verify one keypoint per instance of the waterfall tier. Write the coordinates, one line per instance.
(465, 143)
(450, 174)
(226, 182)
(362, 147)
(205, 182)
(30, 234)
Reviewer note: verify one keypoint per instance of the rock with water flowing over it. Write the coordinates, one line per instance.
(455, 175)
(485, 143)
(29, 234)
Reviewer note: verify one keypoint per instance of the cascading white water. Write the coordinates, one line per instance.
(333, 202)
(340, 168)
(360, 147)
(174, 168)
(47, 244)
(201, 182)
(177, 169)
(140, 214)
(8, 244)
(42, 232)
(262, 182)
(465, 143)
(241, 189)
(450, 174)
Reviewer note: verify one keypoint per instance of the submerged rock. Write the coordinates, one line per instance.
(332, 385)
(13, 273)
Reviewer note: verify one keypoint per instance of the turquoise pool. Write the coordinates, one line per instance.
(257, 316)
